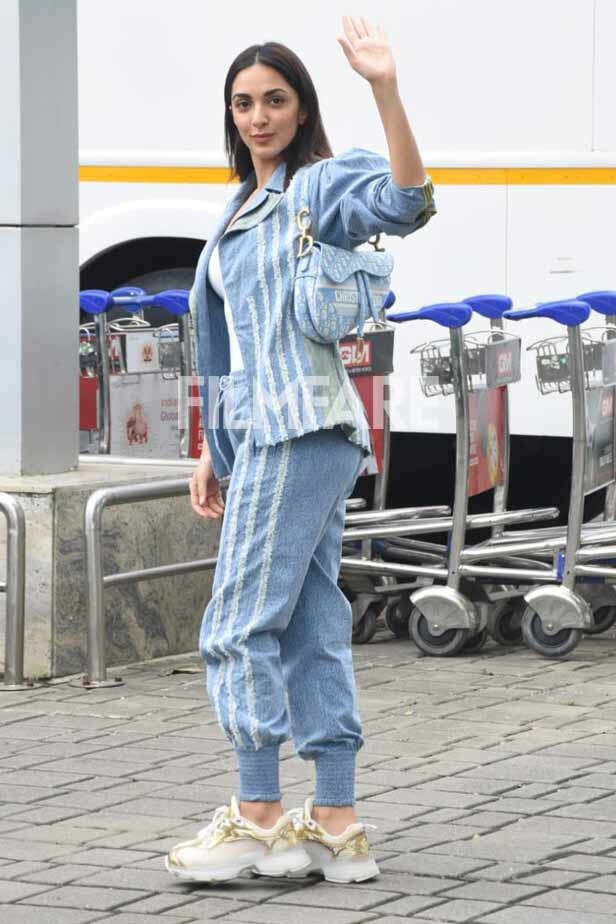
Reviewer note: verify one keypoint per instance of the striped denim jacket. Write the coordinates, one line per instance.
(296, 385)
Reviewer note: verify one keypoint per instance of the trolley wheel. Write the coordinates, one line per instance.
(438, 646)
(603, 618)
(397, 619)
(505, 625)
(475, 642)
(550, 646)
(366, 627)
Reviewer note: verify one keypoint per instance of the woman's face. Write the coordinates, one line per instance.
(263, 103)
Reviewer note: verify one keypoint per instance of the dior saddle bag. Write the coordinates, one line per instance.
(335, 289)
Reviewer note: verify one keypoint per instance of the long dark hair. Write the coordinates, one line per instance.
(310, 143)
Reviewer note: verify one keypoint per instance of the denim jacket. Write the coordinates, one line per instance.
(296, 385)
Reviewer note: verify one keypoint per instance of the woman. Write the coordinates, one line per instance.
(276, 634)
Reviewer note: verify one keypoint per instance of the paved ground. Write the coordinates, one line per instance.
(492, 780)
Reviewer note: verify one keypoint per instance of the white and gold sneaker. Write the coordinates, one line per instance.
(342, 857)
(231, 845)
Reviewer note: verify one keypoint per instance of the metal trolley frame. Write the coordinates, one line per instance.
(564, 604)
(448, 619)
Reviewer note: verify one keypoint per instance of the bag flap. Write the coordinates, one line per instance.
(339, 264)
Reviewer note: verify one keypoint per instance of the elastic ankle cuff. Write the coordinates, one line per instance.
(335, 771)
(259, 780)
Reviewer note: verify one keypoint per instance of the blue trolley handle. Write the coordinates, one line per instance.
(571, 312)
(604, 301)
(447, 314)
(492, 307)
(175, 301)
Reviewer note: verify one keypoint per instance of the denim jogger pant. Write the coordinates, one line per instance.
(276, 634)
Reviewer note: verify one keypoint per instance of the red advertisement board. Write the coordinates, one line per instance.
(487, 432)
(370, 390)
(88, 389)
(194, 410)
(599, 470)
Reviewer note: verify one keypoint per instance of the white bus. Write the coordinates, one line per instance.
(512, 105)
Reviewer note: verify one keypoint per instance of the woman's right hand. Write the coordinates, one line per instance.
(205, 494)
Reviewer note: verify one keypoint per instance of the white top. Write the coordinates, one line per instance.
(215, 276)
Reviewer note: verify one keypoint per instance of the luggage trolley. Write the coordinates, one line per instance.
(120, 356)
(583, 363)
(445, 620)
(369, 362)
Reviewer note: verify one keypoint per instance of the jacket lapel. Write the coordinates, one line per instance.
(259, 208)
(229, 211)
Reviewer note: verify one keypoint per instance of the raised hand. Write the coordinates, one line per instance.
(368, 50)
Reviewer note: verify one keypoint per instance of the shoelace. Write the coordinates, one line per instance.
(297, 815)
(221, 821)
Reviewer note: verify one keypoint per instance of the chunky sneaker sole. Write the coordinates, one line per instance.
(293, 862)
(337, 869)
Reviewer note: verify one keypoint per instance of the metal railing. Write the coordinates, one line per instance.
(97, 581)
(15, 590)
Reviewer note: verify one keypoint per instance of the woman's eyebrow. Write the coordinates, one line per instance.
(267, 93)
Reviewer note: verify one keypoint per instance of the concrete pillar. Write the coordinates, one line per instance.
(39, 273)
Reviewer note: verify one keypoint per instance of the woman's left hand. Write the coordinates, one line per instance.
(367, 49)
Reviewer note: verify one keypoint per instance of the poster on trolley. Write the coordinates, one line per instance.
(487, 438)
(600, 470)
(144, 416)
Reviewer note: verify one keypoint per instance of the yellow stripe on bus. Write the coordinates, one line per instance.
(454, 176)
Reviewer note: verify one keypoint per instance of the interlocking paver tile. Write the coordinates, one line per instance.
(130, 918)
(532, 768)
(576, 900)
(459, 910)
(596, 845)
(433, 864)
(68, 833)
(500, 892)
(396, 919)
(25, 914)
(18, 850)
(77, 896)
(601, 780)
(21, 869)
(45, 814)
(15, 891)
(128, 877)
(114, 821)
(555, 878)
(519, 914)
(486, 819)
(514, 806)
(501, 872)
(435, 797)
(559, 824)
(103, 856)
(189, 904)
(573, 794)
(600, 884)
(270, 914)
(602, 809)
(26, 794)
(410, 904)
(600, 866)
(62, 874)
(336, 896)
(509, 844)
